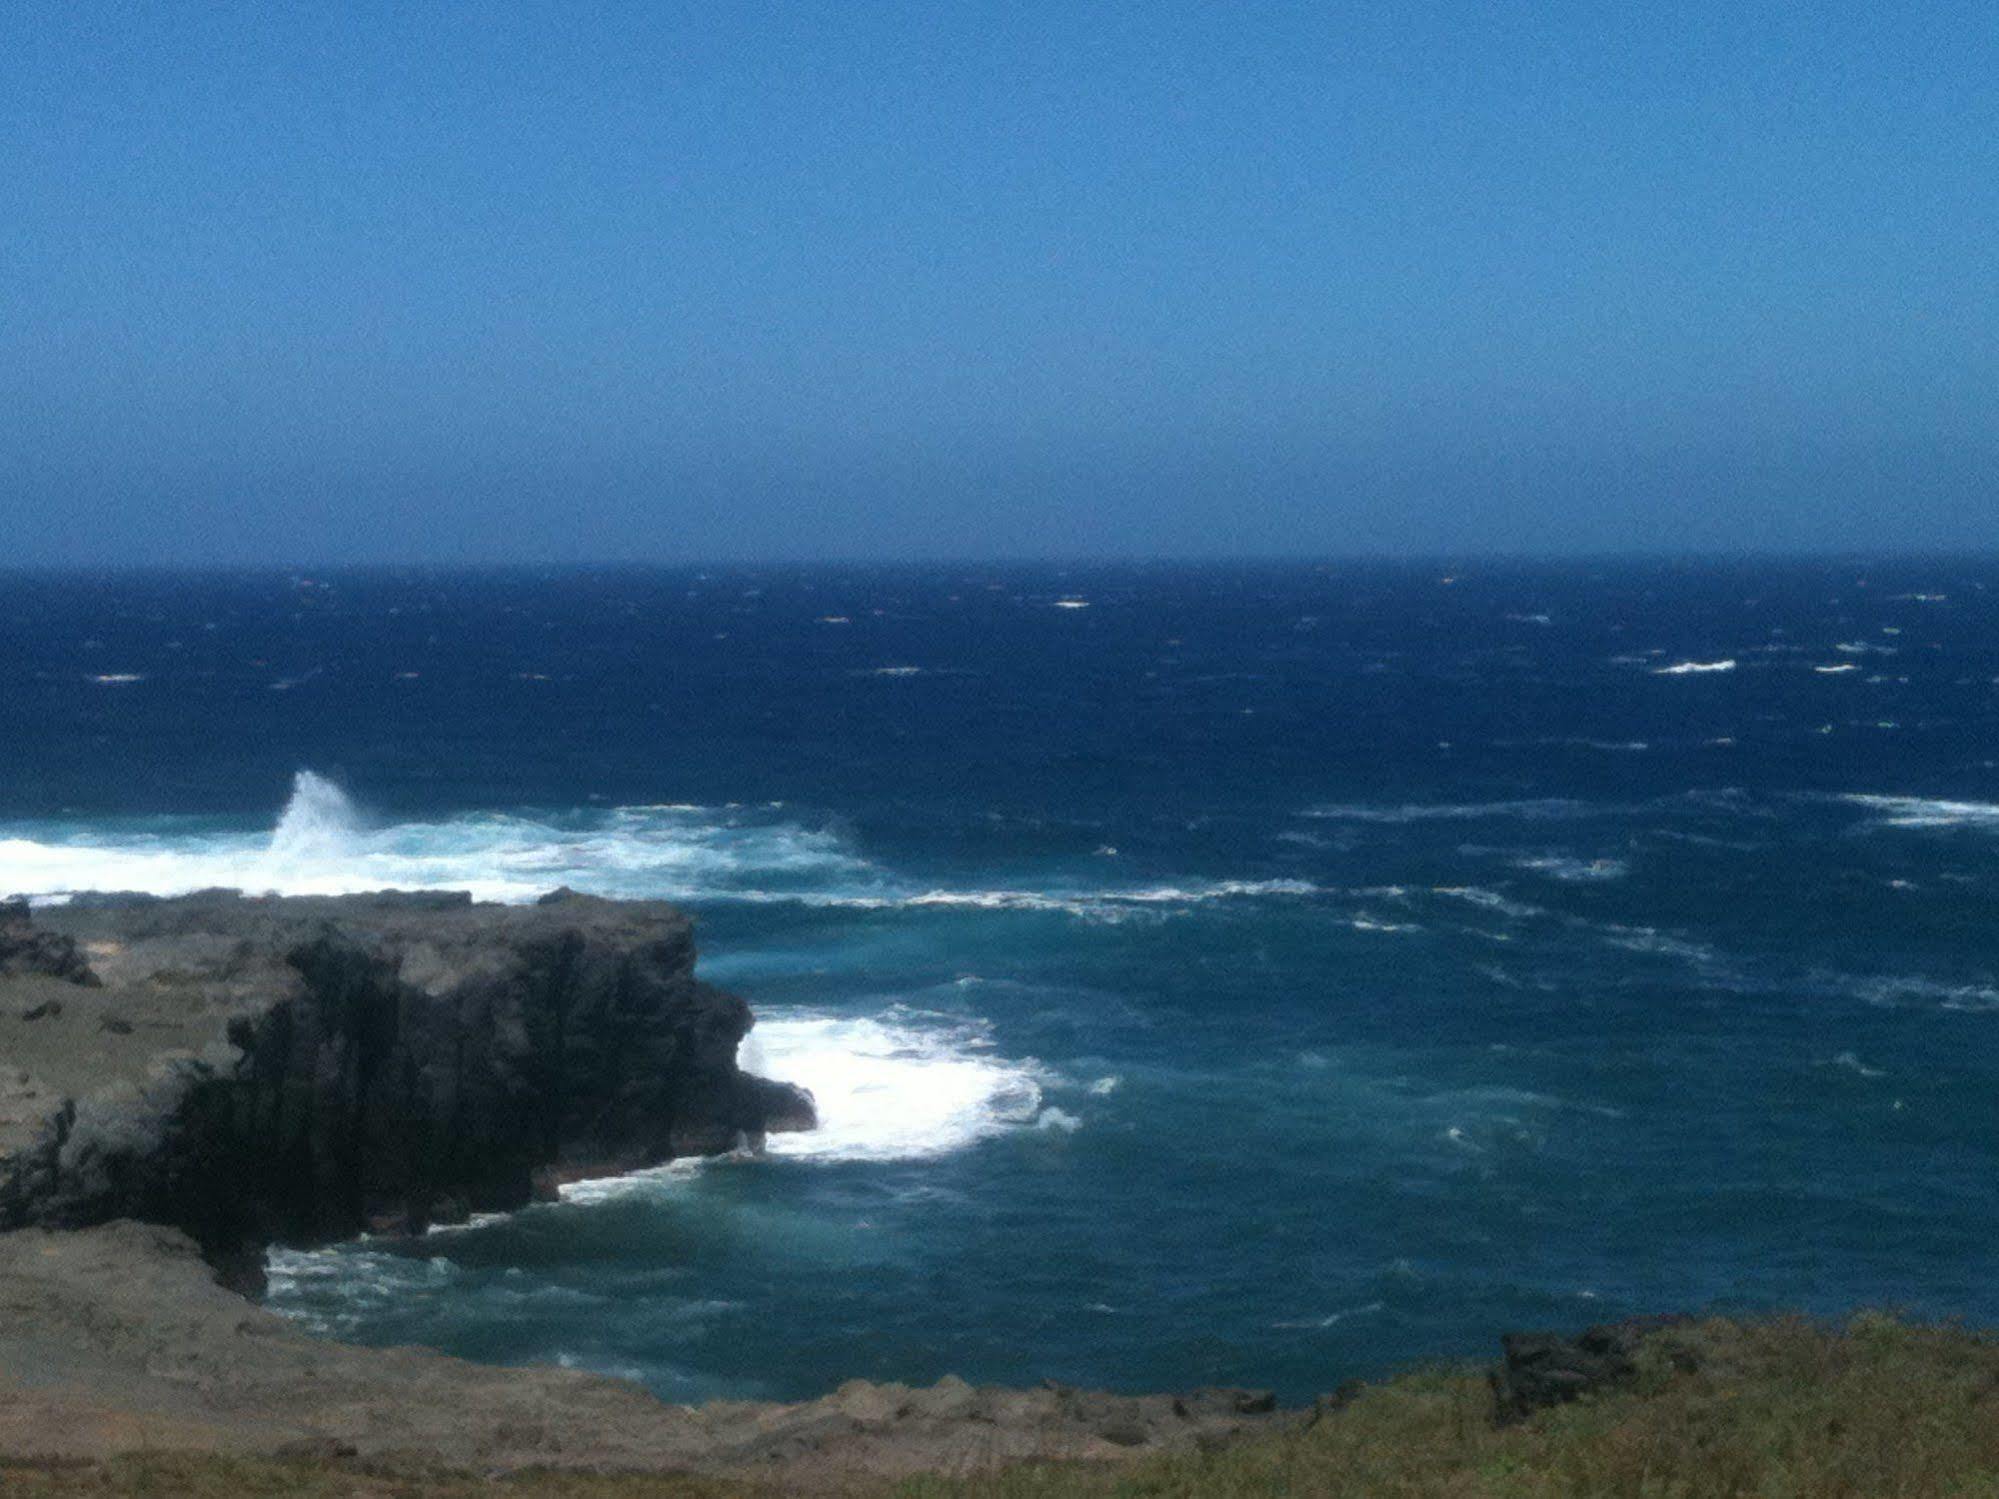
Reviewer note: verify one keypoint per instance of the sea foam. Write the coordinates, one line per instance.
(324, 844)
(1926, 812)
(1692, 668)
(892, 1086)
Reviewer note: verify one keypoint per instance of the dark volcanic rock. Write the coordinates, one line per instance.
(258, 1070)
(1541, 1369)
(28, 949)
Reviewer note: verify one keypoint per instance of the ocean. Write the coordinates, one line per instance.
(1249, 974)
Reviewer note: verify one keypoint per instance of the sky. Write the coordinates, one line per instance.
(685, 282)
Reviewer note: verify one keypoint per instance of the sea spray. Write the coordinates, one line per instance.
(891, 1087)
(318, 826)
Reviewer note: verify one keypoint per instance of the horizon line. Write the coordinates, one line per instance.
(1185, 560)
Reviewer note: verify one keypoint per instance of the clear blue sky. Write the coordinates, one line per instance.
(358, 281)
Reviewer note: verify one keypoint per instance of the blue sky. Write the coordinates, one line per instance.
(573, 281)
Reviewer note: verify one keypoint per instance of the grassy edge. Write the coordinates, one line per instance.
(1785, 1408)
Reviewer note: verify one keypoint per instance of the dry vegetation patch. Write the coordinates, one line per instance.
(1776, 1410)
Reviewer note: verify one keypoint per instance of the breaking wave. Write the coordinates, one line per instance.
(899, 1085)
(325, 844)
(893, 1086)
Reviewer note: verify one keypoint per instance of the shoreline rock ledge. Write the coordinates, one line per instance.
(194, 1079)
(295, 1070)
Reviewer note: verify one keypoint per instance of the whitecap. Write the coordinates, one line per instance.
(1333, 1319)
(1655, 943)
(1895, 990)
(1490, 900)
(1927, 812)
(1103, 905)
(1538, 809)
(1366, 923)
(1574, 870)
(1690, 668)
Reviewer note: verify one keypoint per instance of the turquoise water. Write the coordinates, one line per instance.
(1260, 975)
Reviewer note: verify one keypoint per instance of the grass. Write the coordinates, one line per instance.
(1785, 1409)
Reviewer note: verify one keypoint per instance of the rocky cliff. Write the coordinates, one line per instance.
(237, 1072)
(297, 1070)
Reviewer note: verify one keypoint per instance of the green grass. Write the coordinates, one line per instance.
(1777, 1410)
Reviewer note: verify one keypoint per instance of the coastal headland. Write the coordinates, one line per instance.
(186, 1082)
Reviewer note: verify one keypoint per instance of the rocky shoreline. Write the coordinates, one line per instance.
(186, 1082)
(298, 1070)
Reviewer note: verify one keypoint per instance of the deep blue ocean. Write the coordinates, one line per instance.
(1251, 974)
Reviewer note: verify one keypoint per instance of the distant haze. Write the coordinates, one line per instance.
(431, 282)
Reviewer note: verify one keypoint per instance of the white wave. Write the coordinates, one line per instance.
(1490, 900)
(118, 678)
(1333, 1319)
(1926, 812)
(1106, 905)
(1563, 867)
(1833, 671)
(1650, 941)
(1894, 991)
(893, 1086)
(609, 1188)
(319, 823)
(1543, 808)
(322, 845)
(1690, 668)
(1362, 922)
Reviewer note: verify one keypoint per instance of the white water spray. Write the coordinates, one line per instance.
(319, 825)
(888, 1088)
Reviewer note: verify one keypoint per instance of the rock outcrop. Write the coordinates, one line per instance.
(298, 1070)
(117, 1337)
(26, 949)
(1542, 1369)
(183, 1082)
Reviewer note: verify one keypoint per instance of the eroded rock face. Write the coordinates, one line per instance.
(297, 1070)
